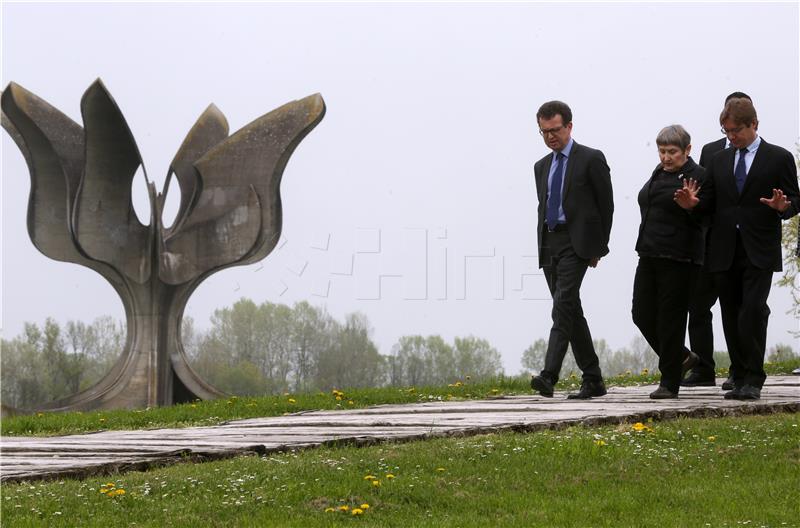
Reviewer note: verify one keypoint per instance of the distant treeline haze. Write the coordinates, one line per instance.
(253, 349)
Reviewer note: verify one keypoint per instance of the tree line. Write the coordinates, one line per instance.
(273, 348)
(268, 348)
(249, 349)
(46, 363)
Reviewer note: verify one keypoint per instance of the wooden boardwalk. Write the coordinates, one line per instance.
(30, 458)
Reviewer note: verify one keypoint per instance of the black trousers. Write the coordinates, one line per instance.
(660, 308)
(743, 292)
(701, 333)
(564, 272)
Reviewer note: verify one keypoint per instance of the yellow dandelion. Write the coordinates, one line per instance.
(111, 485)
(459, 384)
(102, 419)
(440, 469)
(194, 406)
(369, 477)
(292, 400)
(376, 483)
(344, 507)
(364, 506)
(350, 402)
(712, 438)
(330, 510)
(469, 378)
(104, 490)
(645, 372)
(389, 476)
(357, 511)
(120, 492)
(639, 426)
(40, 414)
(338, 398)
(627, 372)
(495, 391)
(599, 442)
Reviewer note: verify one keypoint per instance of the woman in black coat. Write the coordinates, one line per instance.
(670, 247)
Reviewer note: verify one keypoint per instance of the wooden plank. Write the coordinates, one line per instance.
(25, 458)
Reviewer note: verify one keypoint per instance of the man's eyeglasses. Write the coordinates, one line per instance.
(729, 131)
(555, 130)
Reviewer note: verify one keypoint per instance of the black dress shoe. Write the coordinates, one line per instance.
(698, 380)
(589, 389)
(749, 392)
(728, 384)
(663, 393)
(689, 362)
(542, 386)
(733, 394)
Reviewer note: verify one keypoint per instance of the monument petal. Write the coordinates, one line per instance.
(104, 222)
(53, 147)
(209, 130)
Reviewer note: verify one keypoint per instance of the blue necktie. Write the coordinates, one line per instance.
(554, 200)
(740, 172)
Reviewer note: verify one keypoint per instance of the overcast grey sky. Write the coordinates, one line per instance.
(413, 201)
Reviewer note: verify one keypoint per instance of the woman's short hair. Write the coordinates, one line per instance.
(674, 135)
(740, 110)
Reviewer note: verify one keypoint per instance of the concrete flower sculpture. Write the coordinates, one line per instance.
(80, 211)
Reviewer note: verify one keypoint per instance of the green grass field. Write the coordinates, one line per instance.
(233, 408)
(725, 472)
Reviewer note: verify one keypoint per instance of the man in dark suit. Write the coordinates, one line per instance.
(703, 297)
(749, 189)
(576, 204)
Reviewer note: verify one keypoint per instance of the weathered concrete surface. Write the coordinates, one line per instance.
(80, 211)
(28, 458)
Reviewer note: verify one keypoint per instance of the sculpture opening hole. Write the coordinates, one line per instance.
(139, 196)
(172, 203)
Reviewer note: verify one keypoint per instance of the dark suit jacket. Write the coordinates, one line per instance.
(709, 149)
(587, 200)
(759, 225)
